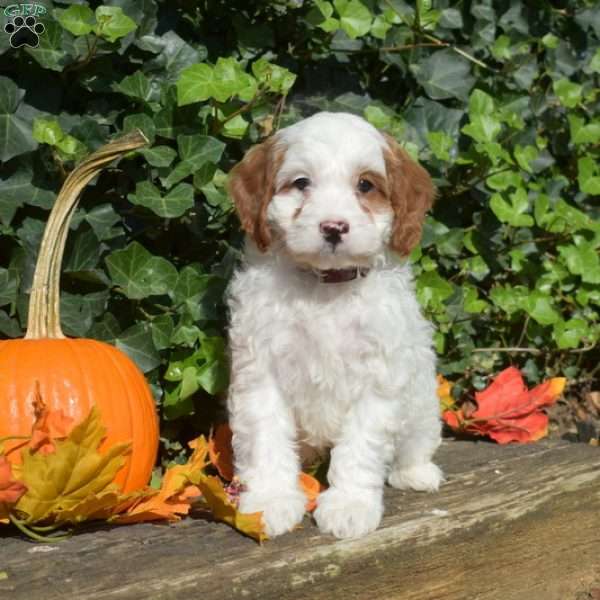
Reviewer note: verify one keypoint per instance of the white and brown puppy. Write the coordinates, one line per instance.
(329, 347)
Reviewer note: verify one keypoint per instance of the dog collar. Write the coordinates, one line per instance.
(341, 275)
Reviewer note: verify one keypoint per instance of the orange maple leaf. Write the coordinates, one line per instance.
(220, 451)
(10, 489)
(312, 488)
(48, 425)
(507, 411)
(173, 499)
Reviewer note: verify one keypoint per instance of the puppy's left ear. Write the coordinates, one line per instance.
(252, 185)
(411, 193)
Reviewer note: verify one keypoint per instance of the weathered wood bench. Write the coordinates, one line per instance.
(513, 522)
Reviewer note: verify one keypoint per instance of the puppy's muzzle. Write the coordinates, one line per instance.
(333, 231)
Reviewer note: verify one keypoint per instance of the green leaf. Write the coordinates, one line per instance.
(480, 103)
(162, 329)
(445, 74)
(139, 274)
(135, 86)
(276, 79)
(504, 180)
(195, 151)
(102, 219)
(17, 190)
(541, 308)
(51, 51)
(84, 252)
(483, 128)
(525, 155)
(513, 212)
(196, 84)
(380, 27)
(440, 144)
(550, 41)
(15, 131)
(159, 156)
(509, 298)
(595, 62)
(476, 267)
(569, 334)
(113, 23)
(75, 314)
(199, 149)
(432, 289)
(471, 302)
(47, 131)
(77, 19)
(582, 133)
(582, 259)
(8, 286)
(226, 79)
(140, 121)
(588, 176)
(235, 128)
(451, 18)
(355, 17)
(137, 343)
(190, 285)
(179, 200)
(568, 93)
(324, 7)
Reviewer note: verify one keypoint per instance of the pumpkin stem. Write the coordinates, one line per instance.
(44, 302)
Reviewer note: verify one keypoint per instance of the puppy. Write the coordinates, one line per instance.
(329, 347)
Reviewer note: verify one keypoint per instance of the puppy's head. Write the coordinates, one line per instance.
(331, 192)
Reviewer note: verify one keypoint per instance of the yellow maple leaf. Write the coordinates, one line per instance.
(444, 392)
(101, 506)
(59, 481)
(215, 496)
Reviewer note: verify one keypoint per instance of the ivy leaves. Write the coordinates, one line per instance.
(15, 126)
(506, 123)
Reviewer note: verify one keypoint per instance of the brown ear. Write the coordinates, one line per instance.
(252, 185)
(411, 193)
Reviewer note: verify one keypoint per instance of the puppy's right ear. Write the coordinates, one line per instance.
(252, 185)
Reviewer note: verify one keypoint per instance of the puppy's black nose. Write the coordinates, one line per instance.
(333, 230)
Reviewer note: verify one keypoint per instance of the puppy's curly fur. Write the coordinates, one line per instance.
(346, 365)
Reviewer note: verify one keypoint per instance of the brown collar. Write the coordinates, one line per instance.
(341, 275)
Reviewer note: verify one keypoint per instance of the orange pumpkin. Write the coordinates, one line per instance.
(75, 374)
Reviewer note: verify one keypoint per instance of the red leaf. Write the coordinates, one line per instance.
(507, 411)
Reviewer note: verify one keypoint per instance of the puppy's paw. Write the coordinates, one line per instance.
(347, 515)
(422, 478)
(280, 512)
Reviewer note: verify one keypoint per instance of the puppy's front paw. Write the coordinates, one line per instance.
(280, 512)
(422, 478)
(347, 515)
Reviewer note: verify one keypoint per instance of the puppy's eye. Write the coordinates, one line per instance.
(365, 186)
(301, 183)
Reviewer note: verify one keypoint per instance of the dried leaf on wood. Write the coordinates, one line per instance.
(507, 411)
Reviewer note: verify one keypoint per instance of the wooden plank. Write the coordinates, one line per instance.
(517, 522)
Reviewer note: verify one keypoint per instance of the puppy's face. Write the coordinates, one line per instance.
(331, 192)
